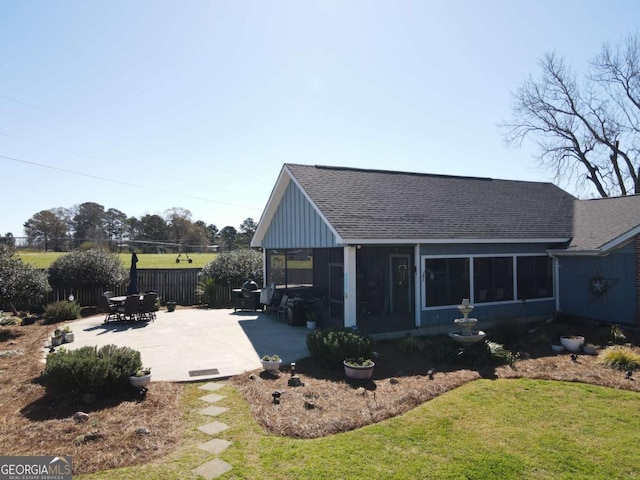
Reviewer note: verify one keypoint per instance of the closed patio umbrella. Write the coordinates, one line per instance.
(133, 276)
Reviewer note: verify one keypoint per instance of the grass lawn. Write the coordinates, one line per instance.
(525, 429)
(145, 260)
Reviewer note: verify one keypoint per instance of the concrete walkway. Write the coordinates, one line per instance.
(197, 344)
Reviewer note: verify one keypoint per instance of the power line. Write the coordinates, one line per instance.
(120, 182)
(35, 142)
(151, 147)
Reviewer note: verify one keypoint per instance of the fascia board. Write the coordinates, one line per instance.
(396, 241)
(620, 240)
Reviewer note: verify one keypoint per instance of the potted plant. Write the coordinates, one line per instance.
(171, 306)
(271, 363)
(590, 349)
(312, 318)
(140, 378)
(56, 338)
(67, 334)
(573, 343)
(358, 368)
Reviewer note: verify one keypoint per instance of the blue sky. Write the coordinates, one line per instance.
(148, 105)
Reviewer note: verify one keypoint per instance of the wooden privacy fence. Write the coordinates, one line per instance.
(172, 284)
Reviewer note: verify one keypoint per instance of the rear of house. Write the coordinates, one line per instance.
(396, 251)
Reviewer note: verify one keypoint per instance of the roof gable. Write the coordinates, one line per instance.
(383, 205)
(605, 223)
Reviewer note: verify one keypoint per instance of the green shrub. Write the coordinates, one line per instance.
(622, 358)
(20, 284)
(617, 335)
(475, 355)
(410, 344)
(508, 331)
(331, 347)
(207, 290)
(234, 268)
(93, 268)
(61, 311)
(103, 371)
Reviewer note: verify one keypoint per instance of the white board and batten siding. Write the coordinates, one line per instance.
(296, 224)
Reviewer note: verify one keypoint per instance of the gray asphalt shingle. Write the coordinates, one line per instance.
(371, 204)
(602, 220)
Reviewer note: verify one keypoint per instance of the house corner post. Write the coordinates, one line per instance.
(350, 309)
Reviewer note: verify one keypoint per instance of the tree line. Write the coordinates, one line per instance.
(90, 224)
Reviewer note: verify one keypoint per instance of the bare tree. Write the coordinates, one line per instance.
(589, 130)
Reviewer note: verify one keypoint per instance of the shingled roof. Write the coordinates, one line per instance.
(605, 222)
(387, 205)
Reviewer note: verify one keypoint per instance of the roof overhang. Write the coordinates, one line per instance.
(413, 241)
(284, 179)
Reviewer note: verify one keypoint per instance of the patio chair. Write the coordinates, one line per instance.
(283, 309)
(130, 309)
(148, 306)
(109, 309)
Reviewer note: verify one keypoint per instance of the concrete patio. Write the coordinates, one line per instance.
(198, 344)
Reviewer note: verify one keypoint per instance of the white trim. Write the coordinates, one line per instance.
(621, 240)
(400, 241)
(337, 236)
(349, 287)
(575, 253)
(273, 203)
(514, 266)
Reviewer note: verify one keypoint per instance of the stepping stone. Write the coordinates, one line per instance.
(213, 411)
(212, 469)
(212, 386)
(213, 428)
(212, 397)
(216, 445)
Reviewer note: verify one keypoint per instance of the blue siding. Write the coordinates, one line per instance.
(619, 304)
(297, 225)
(506, 310)
(532, 309)
(483, 248)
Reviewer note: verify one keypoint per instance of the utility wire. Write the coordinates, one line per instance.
(120, 182)
(150, 147)
(35, 142)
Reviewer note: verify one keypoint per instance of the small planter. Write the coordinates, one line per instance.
(573, 343)
(271, 366)
(311, 325)
(171, 306)
(557, 348)
(140, 382)
(56, 341)
(590, 349)
(356, 372)
(68, 337)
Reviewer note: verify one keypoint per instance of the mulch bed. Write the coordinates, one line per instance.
(329, 404)
(34, 423)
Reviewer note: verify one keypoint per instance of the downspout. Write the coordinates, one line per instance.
(556, 279)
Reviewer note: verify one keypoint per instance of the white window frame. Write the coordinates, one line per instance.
(423, 293)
